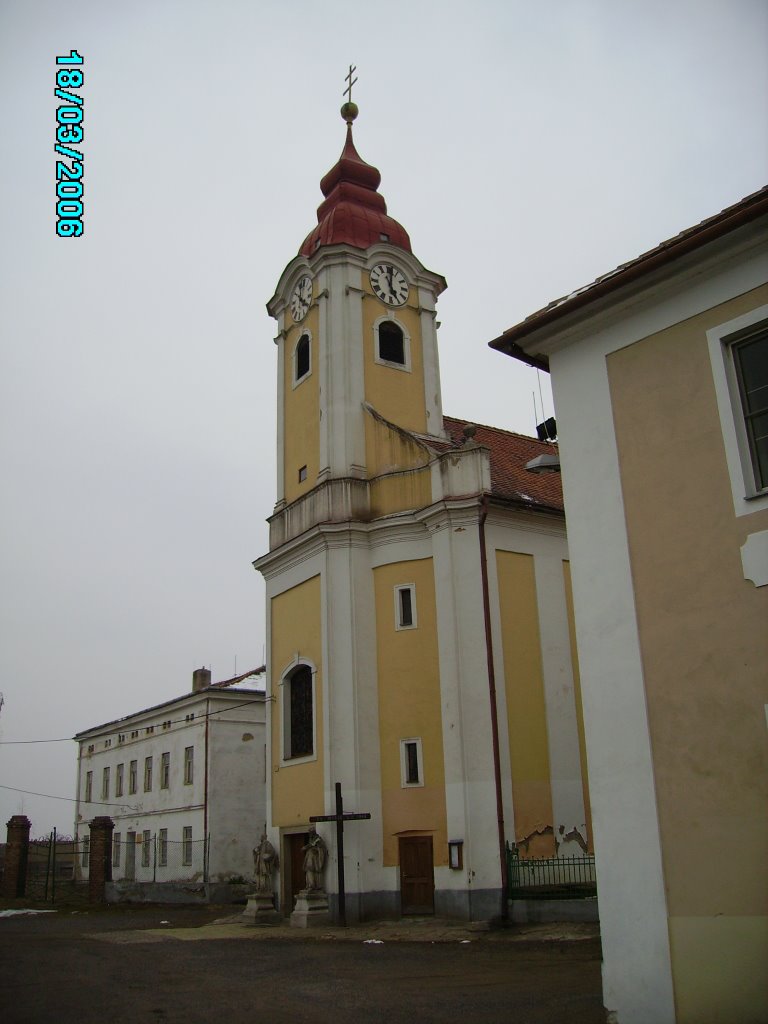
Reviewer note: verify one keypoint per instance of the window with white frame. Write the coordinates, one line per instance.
(189, 765)
(116, 850)
(405, 606)
(88, 787)
(302, 358)
(411, 762)
(162, 847)
(147, 774)
(146, 845)
(119, 776)
(165, 770)
(739, 355)
(186, 845)
(133, 774)
(299, 714)
(105, 784)
(392, 343)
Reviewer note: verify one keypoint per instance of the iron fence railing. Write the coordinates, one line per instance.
(550, 877)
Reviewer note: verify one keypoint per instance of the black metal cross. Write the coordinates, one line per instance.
(340, 817)
(348, 91)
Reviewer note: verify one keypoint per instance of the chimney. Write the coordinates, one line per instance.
(201, 678)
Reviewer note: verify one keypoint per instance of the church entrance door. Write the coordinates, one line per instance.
(293, 871)
(417, 877)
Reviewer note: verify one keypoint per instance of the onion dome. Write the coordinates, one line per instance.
(353, 212)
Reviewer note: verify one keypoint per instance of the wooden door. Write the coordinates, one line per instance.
(293, 869)
(417, 878)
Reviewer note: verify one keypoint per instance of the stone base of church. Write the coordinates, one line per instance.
(312, 910)
(260, 910)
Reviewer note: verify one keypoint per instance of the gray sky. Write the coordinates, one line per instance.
(527, 148)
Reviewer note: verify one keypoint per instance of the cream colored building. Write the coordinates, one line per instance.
(420, 640)
(660, 379)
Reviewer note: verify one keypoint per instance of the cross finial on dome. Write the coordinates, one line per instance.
(349, 110)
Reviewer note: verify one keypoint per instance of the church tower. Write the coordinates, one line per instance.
(401, 542)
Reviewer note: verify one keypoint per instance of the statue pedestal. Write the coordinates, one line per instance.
(312, 910)
(260, 910)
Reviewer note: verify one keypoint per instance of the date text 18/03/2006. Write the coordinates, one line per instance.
(69, 133)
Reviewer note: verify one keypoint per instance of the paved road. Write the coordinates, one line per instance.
(119, 967)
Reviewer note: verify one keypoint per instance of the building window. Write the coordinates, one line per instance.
(302, 474)
(750, 358)
(149, 730)
(189, 765)
(165, 770)
(116, 850)
(119, 774)
(108, 743)
(162, 847)
(88, 787)
(121, 737)
(105, 784)
(298, 714)
(411, 764)
(405, 606)
(147, 774)
(145, 847)
(90, 748)
(86, 851)
(133, 771)
(186, 845)
(391, 343)
(301, 359)
(738, 353)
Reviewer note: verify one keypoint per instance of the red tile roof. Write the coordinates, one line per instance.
(510, 452)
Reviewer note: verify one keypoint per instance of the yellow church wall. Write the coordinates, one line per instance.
(577, 699)
(396, 394)
(301, 421)
(297, 789)
(526, 706)
(409, 707)
(400, 491)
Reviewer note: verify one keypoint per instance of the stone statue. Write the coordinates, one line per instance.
(315, 856)
(264, 862)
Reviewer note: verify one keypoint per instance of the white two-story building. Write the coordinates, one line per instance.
(184, 783)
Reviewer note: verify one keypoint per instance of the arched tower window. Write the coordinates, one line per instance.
(301, 362)
(298, 714)
(391, 342)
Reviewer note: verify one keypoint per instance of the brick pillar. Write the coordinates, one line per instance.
(100, 859)
(16, 852)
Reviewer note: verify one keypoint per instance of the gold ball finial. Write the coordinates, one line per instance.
(349, 111)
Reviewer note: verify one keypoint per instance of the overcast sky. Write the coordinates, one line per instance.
(526, 147)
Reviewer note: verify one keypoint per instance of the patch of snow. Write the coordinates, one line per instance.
(373, 942)
(13, 913)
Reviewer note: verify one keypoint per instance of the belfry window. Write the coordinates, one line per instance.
(301, 358)
(405, 606)
(391, 341)
(298, 714)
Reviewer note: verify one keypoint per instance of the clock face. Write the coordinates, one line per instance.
(389, 284)
(301, 299)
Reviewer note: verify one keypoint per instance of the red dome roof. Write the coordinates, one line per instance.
(353, 211)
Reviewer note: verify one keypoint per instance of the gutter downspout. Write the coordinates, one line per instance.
(494, 712)
(207, 866)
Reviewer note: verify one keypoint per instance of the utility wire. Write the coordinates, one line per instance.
(173, 721)
(69, 799)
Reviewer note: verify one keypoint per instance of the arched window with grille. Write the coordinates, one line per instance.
(301, 358)
(391, 343)
(299, 714)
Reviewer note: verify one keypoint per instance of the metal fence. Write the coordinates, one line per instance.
(147, 856)
(54, 867)
(550, 877)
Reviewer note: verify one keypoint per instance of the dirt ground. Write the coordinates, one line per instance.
(196, 964)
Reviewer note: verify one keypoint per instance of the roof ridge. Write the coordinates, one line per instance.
(499, 430)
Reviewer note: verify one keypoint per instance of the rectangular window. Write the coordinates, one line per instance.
(411, 764)
(162, 847)
(189, 765)
(298, 714)
(147, 774)
(146, 844)
(119, 775)
(105, 784)
(165, 770)
(88, 787)
(750, 358)
(186, 845)
(86, 850)
(302, 474)
(133, 772)
(116, 850)
(405, 606)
